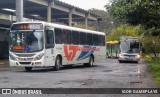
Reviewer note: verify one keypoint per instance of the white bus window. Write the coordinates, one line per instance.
(104, 41)
(83, 38)
(28, 41)
(101, 40)
(49, 39)
(124, 46)
(75, 37)
(58, 36)
(89, 39)
(95, 40)
(67, 36)
(135, 47)
(38, 35)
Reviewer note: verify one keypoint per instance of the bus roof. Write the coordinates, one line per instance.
(65, 27)
(129, 38)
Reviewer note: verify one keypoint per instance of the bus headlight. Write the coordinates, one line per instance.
(12, 57)
(138, 56)
(38, 57)
(120, 55)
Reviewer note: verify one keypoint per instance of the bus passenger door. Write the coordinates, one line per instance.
(49, 45)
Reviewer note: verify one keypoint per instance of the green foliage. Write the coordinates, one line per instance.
(147, 57)
(107, 23)
(152, 32)
(135, 12)
(154, 68)
(124, 30)
(151, 44)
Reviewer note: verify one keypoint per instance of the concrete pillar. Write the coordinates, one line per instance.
(49, 11)
(11, 18)
(19, 10)
(97, 25)
(86, 20)
(70, 16)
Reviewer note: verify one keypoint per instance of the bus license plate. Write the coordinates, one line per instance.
(129, 59)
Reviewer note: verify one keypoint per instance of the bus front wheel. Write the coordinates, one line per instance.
(28, 68)
(57, 63)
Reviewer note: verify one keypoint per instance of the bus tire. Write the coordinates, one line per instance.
(120, 61)
(136, 62)
(91, 60)
(28, 68)
(57, 63)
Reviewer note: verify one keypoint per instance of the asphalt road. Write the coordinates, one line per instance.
(108, 73)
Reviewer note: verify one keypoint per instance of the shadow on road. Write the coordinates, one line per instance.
(129, 62)
(49, 69)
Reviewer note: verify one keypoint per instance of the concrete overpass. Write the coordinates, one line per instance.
(46, 10)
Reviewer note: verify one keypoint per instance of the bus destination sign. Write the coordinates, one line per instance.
(27, 26)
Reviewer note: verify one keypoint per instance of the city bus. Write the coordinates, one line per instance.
(130, 49)
(41, 44)
(112, 49)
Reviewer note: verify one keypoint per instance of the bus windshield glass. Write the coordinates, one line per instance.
(124, 46)
(129, 47)
(26, 41)
(134, 47)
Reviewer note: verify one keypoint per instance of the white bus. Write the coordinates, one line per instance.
(130, 49)
(41, 44)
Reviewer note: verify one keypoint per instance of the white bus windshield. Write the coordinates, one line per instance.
(124, 47)
(134, 47)
(129, 47)
(26, 41)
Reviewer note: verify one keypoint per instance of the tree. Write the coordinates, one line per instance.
(151, 44)
(107, 23)
(135, 12)
(124, 30)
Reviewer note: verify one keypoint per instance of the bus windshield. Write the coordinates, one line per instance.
(124, 47)
(26, 41)
(130, 47)
(134, 47)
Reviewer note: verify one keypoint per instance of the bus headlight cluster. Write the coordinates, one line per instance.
(12, 57)
(38, 57)
(120, 55)
(138, 56)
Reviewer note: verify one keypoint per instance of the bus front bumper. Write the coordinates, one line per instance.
(128, 58)
(38, 63)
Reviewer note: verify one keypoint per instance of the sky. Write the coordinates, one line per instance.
(87, 4)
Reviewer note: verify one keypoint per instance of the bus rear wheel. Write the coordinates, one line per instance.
(91, 60)
(57, 63)
(120, 61)
(28, 68)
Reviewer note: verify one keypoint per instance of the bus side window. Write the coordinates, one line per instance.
(104, 41)
(83, 37)
(95, 40)
(89, 39)
(49, 39)
(67, 36)
(58, 36)
(101, 40)
(75, 37)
